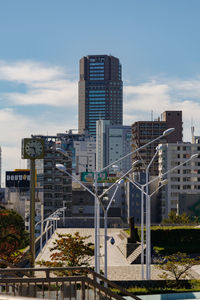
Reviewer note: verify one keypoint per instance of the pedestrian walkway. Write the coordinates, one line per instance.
(118, 267)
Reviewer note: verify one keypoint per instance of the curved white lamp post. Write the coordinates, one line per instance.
(141, 188)
(97, 198)
(105, 228)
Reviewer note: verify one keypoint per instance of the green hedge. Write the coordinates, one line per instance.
(174, 239)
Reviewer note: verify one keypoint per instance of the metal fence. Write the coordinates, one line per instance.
(59, 283)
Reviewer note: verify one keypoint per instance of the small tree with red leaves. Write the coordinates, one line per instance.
(70, 251)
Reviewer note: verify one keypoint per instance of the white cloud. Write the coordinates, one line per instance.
(157, 96)
(57, 94)
(53, 87)
(15, 126)
(44, 85)
(28, 72)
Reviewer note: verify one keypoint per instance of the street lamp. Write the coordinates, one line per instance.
(163, 182)
(97, 198)
(63, 169)
(148, 221)
(105, 228)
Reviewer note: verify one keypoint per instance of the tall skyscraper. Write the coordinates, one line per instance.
(100, 92)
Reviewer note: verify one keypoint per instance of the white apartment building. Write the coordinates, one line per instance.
(85, 156)
(184, 180)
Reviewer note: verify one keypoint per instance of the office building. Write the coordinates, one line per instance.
(113, 142)
(100, 92)
(146, 131)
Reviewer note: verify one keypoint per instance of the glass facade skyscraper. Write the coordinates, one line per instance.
(100, 92)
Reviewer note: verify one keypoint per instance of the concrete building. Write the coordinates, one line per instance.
(100, 92)
(113, 142)
(56, 186)
(181, 181)
(85, 155)
(145, 131)
(82, 148)
(173, 119)
(83, 206)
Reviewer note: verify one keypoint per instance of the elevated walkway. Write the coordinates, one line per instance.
(59, 283)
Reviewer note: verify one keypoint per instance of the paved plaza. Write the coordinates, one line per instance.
(118, 266)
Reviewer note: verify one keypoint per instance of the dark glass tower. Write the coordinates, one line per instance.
(100, 92)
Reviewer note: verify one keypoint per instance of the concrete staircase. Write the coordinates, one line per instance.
(135, 256)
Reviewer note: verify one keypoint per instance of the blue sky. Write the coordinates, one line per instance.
(157, 42)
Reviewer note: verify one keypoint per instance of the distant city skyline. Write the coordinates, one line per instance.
(157, 43)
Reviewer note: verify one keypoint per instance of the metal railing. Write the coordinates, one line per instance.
(59, 283)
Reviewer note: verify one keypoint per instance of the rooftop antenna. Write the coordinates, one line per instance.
(192, 132)
(152, 115)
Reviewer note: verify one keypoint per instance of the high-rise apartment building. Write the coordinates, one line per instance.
(146, 131)
(56, 186)
(100, 92)
(183, 180)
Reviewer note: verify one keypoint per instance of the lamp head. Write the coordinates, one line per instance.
(164, 182)
(63, 152)
(168, 131)
(194, 155)
(120, 182)
(61, 168)
(116, 167)
(159, 147)
(54, 218)
(136, 163)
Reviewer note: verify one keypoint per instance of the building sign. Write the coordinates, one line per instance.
(18, 179)
(89, 176)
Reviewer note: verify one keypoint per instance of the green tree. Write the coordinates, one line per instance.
(13, 237)
(173, 218)
(177, 266)
(69, 251)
